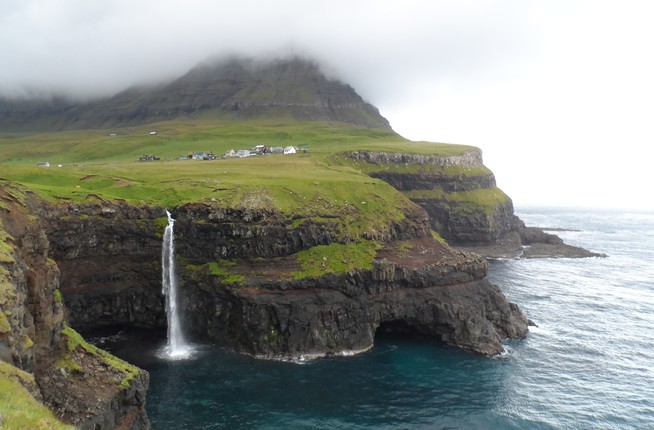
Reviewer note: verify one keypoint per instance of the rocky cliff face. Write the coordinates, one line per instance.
(464, 205)
(238, 270)
(342, 314)
(34, 338)
(110, 259)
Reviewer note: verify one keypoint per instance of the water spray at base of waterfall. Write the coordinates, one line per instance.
(176, 348)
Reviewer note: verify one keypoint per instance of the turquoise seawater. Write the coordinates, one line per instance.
(588, 365)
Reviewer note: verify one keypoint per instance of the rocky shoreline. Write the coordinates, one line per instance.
(530, 242)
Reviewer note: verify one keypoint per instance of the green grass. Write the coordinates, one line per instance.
(218, 269)
(336, 258)
(57, 296)
(480, 201)
(19, 409)
(423, 169)
(179, 137)
(487, 199)
(315, 184)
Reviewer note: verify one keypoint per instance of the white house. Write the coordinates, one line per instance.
(152, 133)
(242, 153)
(289, 150)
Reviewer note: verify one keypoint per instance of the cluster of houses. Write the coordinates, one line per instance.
(198, 156)
(240, 153)
(260, 150)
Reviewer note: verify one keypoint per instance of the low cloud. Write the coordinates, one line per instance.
(87, 49)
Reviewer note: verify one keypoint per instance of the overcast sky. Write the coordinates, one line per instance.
(558, 94)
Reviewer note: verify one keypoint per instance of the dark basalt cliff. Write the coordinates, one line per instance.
(109, 255)
(79, 383)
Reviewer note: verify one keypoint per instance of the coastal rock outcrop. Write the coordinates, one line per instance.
(80, 384)
(464, 205)
(342, 314)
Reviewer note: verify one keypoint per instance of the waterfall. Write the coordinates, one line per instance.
(176, 346)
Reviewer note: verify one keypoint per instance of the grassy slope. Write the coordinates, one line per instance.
(96, 163)
(19, 409)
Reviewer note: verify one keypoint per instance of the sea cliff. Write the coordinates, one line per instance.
(79, 384)
(243, 285)
(464, 204)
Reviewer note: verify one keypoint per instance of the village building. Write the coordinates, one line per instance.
(43, 164)
(289, 150)
(229, 153)
(276, 150)
(197, 156)
(242, 153)
(259, 149)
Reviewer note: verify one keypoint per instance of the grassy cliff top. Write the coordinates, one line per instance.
(104, 163)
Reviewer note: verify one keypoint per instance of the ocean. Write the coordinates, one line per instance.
(589, 363)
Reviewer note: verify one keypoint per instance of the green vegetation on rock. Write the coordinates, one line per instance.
(75, 341)
(57, 296)
(336, 258)
(5, 327)
(481, 201)
(218, 269)
(6, 248)
(19, 409)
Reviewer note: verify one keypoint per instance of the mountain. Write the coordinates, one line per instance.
(234, 88)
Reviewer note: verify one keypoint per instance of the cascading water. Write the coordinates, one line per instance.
(176, 346)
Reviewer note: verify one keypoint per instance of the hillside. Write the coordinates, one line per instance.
(226, 89)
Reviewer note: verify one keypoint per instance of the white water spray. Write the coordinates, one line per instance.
(177, 346)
